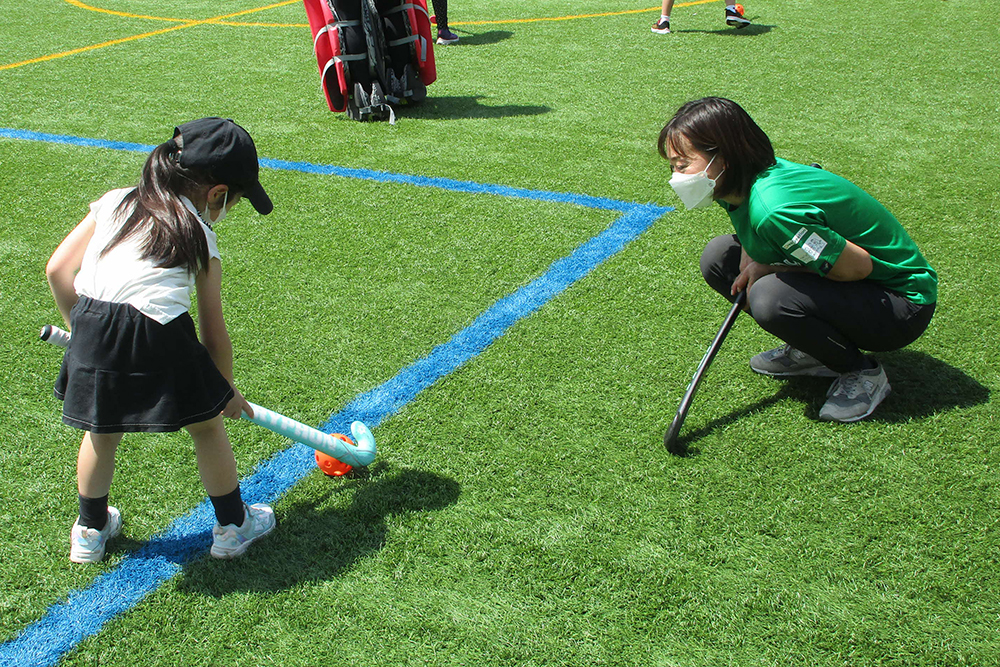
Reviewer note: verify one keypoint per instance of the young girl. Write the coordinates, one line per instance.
(122, 280)
(827, 268)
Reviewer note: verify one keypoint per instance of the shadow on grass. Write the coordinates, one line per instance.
(921, 386)
(478, 39)
(466, 107)
(751, 30)
(799, 390)
(313, 544)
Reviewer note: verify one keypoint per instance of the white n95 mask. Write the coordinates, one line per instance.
(695, 190)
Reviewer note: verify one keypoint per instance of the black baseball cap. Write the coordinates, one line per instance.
(220, 147)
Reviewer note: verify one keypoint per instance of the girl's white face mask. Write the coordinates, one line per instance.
(206, 215)
(695, 190)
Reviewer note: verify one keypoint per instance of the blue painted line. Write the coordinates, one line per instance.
(345, 172)
(26, 135)
(450, 184)
(84, 612)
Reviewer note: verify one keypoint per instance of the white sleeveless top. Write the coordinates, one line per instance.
(121, 277)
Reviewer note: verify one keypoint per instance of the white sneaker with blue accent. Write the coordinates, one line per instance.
(231, 540)
(87, 545)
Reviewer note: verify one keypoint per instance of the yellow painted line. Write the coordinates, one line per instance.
(81, 5)
(580, 16)
(185, 23)
(221, 20)
(245, 24)
(306, 25)
(253, 11)
(77, 3)
(530, 20)
(92, 47)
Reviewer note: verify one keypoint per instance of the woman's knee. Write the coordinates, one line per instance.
(768, 300)
(720, 262)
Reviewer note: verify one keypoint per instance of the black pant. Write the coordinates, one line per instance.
(829, 320)
(441, 13)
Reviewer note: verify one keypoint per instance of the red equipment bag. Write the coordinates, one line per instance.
(372, 52)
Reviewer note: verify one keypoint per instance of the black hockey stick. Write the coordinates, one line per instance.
(670, 439)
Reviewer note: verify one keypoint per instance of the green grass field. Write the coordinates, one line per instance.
(522, 510)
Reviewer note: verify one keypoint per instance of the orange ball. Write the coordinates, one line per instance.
(331, 466)
(739, 8)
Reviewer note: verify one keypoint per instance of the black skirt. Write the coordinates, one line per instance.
(125, 372)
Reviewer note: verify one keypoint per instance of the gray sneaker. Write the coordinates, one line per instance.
(855, 395)
(230, 541)
(87, 545)
(786, 361)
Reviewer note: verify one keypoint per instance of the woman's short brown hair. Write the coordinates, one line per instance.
(717, 126)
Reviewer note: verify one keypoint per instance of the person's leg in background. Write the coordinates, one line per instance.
(445, 35)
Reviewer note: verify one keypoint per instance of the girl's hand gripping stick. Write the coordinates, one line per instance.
(359, 455)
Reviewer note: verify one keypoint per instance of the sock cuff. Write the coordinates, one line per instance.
(94, 512)
(229, 507)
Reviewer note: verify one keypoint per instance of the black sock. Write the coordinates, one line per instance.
(229, 508)
(94, 512)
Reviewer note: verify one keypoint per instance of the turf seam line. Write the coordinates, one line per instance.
(84, 612)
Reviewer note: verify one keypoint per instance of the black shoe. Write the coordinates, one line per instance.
(446, 37)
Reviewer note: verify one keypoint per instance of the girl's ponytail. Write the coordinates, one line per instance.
(174, 236)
